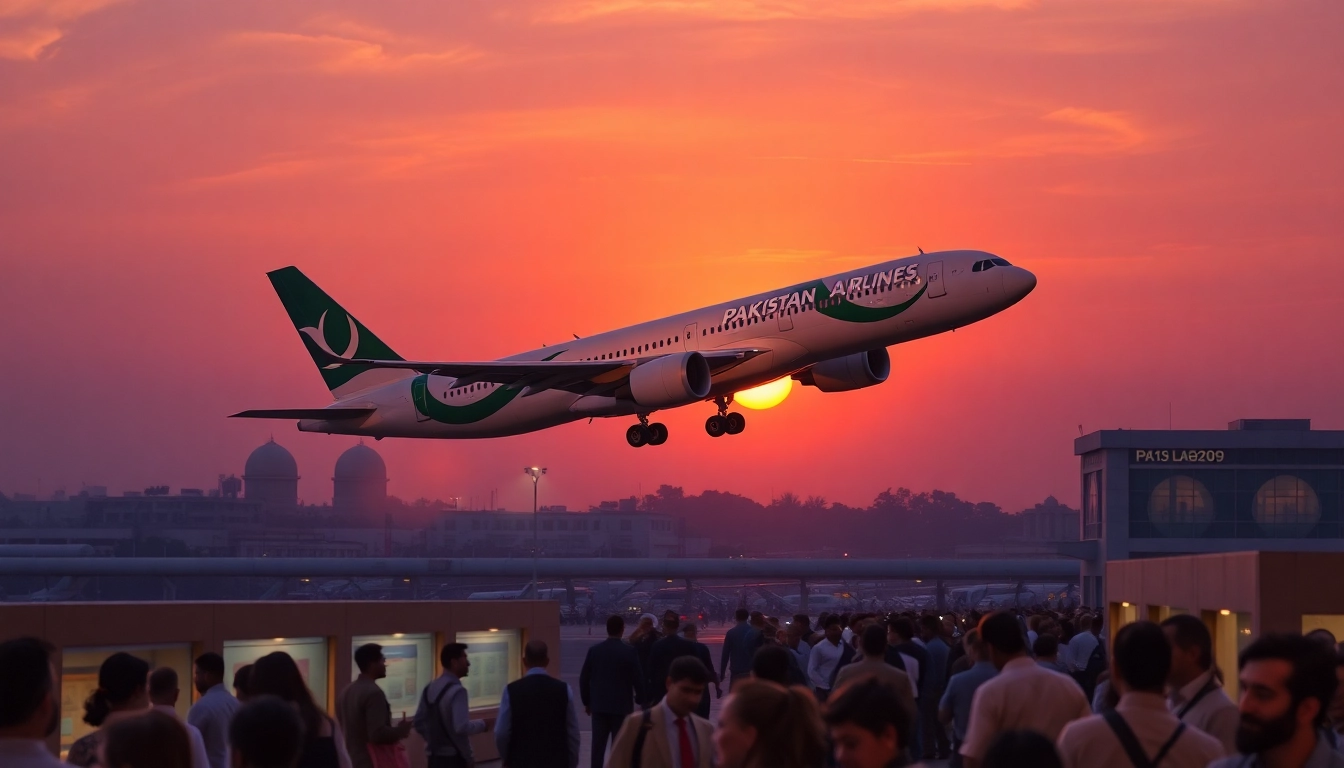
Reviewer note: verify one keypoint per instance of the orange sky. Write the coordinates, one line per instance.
(475, 178)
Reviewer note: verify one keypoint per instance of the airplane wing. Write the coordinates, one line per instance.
(327, 414)
(582, 377)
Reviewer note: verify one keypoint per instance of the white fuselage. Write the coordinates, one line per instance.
(813, 321)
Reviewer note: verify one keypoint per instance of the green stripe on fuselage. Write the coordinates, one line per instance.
(856, 313)
(482, 409)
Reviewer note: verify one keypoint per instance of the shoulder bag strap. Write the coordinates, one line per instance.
(1127, 739)
(645, 725)
(1208, 688)
(1161, 753)
(438, 711)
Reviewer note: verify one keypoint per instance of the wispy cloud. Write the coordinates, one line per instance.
(334, 53)
(29, 28)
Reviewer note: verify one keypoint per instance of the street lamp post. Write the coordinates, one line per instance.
(535, 473)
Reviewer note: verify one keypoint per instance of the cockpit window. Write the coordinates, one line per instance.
(1001, 262)
(981, 266)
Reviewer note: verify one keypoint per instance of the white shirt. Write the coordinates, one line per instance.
(211, 714)
(912, 669)
(674, 735)
(1023, 695)
(27, 753)
(1090, 742)
(198, 757)
(1080, 650)
(821, 663)
(1214, 714)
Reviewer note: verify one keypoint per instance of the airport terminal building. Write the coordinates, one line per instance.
(1262, 484)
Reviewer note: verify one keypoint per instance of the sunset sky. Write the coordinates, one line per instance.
(473, 179)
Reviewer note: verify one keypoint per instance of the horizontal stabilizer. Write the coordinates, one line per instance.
(326, 414)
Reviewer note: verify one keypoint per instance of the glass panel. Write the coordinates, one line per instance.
(79, 679)
(410, 667)
(309, 653)
(496, 661)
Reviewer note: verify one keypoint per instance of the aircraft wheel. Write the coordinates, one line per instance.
(638, 436)
(736, 423)
(716, 426)
(657, 433)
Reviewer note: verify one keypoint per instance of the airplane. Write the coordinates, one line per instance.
(831, 333)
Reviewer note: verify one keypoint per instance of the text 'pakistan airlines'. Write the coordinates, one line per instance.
(831, 333)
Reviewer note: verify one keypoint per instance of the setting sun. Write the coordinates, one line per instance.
(765, 396)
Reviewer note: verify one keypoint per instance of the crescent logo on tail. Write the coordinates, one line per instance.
(319, 337)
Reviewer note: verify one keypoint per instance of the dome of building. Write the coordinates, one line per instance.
(360, 484)
(361, 463)
(271, 476)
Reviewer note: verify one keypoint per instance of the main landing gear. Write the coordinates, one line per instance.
(724, 423)
(644, 433)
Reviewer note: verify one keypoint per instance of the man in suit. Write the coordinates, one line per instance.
(609, 684)
(670, 735)
(537, 725)
(667, 649)
(690, 632)
(739, 647)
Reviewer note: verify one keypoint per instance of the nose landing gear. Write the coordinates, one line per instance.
(644, 433)
(724, 423)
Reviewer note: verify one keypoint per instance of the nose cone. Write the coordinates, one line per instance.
(1017, 283)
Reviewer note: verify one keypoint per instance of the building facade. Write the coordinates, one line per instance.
(1262, 484)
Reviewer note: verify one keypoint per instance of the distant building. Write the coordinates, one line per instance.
(563, 534)
(271, 477)
(360, 484)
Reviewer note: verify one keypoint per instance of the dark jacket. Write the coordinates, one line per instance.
(847, 654)
(660, 661)
(739, 647)
(702, 653)
(916, 651)
(611, 679)
(540, 707)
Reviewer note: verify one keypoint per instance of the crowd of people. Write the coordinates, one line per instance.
(1003, 690)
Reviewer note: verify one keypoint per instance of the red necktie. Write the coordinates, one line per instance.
(684, 745)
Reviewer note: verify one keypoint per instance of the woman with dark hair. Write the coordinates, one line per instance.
(765, 725)
(276, 674)
(150, 740)
(123, 691)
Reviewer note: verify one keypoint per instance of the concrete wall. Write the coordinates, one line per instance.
(205, 626)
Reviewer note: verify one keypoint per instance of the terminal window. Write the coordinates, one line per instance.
(1240, 503)
(496, 661)
(1092, 505)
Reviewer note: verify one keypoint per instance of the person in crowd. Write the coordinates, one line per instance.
(1287, 681)
(934, 735)
(266, 733)
(163, 696)
(776, 664)
(901, 637)
(149, 739)
(815, 633)
(796, 635)
(955, 706)
(642, 640)
(212, 712)
(766, 725)
(276, 674)
(610, 684)
(122, 692)
(30, 705)
(1034, 628)
(869, 723)
(669, 734)
(443, 716)
(690, 632)
(1022, 696)
(1046, 651)
(1140, 731)
(667, 649)
(826, 656)
(1324, 637)
(1086, 655)
(872, 663)
(537, 726)
(1195, 694)
(739, 647)
(240, 678)
(1022, 749)
(1335, 713)
(363, 711)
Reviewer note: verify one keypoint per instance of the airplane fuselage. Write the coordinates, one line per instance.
(794, 327)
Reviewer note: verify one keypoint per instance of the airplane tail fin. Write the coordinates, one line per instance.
(327, 329)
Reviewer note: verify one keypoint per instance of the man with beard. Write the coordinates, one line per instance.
(1286, 681)
(30, 707)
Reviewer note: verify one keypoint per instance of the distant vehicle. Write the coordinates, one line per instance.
(831, 333)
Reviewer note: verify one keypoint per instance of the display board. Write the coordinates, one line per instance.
(309, 653)
(410, 667)
(496, 661)
(79, 679)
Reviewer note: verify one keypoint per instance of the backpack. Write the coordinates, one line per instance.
(1096, 664)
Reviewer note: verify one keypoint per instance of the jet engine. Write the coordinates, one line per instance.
(670, 380)
(856, 371)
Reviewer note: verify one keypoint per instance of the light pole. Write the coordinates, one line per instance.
(535, 473)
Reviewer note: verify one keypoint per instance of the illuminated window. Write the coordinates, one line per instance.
(1180, 506)
(1286, 506)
